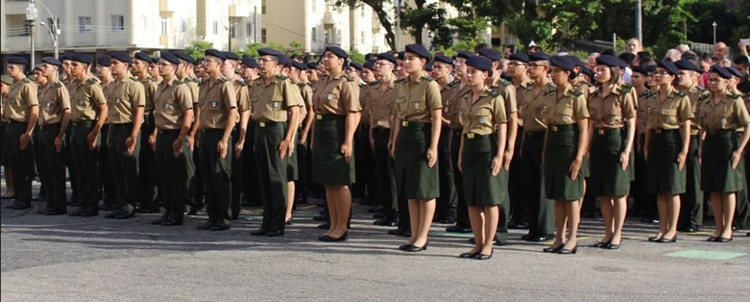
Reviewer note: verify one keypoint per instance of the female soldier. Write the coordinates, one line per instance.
(336, 105)
(666, 148)
(612, 109)
(723, 117)
(565, 145)
(414, 147)
(483, 116)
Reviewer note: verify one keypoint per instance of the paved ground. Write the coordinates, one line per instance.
(60, 258)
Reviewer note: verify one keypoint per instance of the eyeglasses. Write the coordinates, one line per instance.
(516, 64)
(266, 60)
(535, 65)
(382, 64)
(661, 72)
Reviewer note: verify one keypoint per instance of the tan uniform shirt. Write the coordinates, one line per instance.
(216, 99)
(567, 108)
(337, 95)
(243, 96)
(173, 98)
(508, 92)
(416, 100)
(670, 114)
(54, 100)
(613, 110)
(85, 99)
(363, 102)
(483, 116)
(457, 92)
(380, 98)
(149, 87)
(446, 97)
(642, 120)
(306, 93)
(22, 95)
(697, 95)
(127, 95)
(193, 85)
(729, 113)
(536, 106)
(524, 93)
(271, 101)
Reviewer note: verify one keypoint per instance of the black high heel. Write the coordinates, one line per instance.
(328, 238)
(712, 239)
(568, 251)
(723, 240)
(667, 240)
(602, 244)
(485, 257)
(611, 246)
(468, 255)
(405, 247)
(553, 249)
(654, 239)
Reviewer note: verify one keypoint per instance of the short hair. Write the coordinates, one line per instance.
(481, 46)
(512, 48)
(609, 52)
(646, 61)
(627, 57)
(690, 56)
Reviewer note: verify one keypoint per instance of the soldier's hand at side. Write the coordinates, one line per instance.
(191, 142)
(130, 144)
(346, 151)
(177, 147)
(303, 139)
(575, 168)
(736, 157)
(283, 146)
(238, 149)
(24, 140)
(152, 141)
(291, 150)
(431, 157)
(58, 144)
(221, 147)
(681, 160)
(497, 163)
(91, 138)
(507, 158)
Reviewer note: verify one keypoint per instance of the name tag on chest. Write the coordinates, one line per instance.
(275, 105)
(214, 104)
(118, 101)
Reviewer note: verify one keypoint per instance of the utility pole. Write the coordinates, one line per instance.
(638, 22)
(397, 40)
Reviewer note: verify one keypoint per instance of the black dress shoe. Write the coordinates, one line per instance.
(601, 244)
(206, 225)
(564, 251)
(654, 239)
(125, 215)
(328, 238)
(414, 248)
(484, 256)
(448, 220)
(191, 210)
(288, 221)
(113, 214)
(712, 239)
(220, 227)
(324, 226)
(404, 247)
(518, 225)
(667, 240)
(468, 255)
(458, 229)
(723, 240)
(261, 232)
(77, 212)
(171, 222)
(553, 249)
(90, 212)
(159, 220)
(542, 238)
(275, 233)
(611, 246)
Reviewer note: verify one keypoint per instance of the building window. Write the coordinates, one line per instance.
(118, 22)
(144, 18)
(362, 13)
(216, 27)
(249, 29)
(328, 36)
(164, 27)
(362, 38)
(262, 35)
(314, 33)
(51, 23)
(338, 36)
(183, 26)
(84, 24)
(263, 7)
(314, 5)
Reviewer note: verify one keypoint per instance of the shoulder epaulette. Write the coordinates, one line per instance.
(625, 88)
(505, 82)
(680, 94)
(221, 80)
(454, 83)
(700, 88)
(58, 84)
(243, 83)
(202, 82)
(374, 83)
(576, 92)
(363, 85)
(348, 78)
(281, 77)
(704, 96)
(301, 85)
(134, 79)
(493, 92)
(178, 82)
(734, 95)
(401, 80)
(551, 89)
(424, 77)
(91, 81)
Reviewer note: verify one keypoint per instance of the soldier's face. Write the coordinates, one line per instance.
(383, 67)
(603, 73)
(460, 64)
(14, 70)
(663, 77)
(66, 65)
(227, 68)
(267, 64)
(716, 83)
(78, 69)
(49, 70)
(517, 68)
(119, 68)
(104, 72)
(638, 79)
(330, 60)
(368, 75)
(559, 76)
(39, 77)
(413, 63)
(475, 77)
(441, 70)
(166, 68)
(538, 69)
(686, 78)
(138, 66)
(211, 64)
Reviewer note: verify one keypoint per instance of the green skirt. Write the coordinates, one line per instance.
(414, 178)
(480, 187)
(292, 168)
(664, 177)
(717, 174)
(559, 153)
(607, 176)
(328, 164)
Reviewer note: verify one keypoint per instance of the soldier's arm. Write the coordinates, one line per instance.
(33, 101)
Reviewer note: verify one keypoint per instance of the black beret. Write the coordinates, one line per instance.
(519, 56)
(170, 57)
(651, 68)
(104, 61)
(465, 54)
(356, 66)
(428, 67)
(669, 66)
(563, 63)
(685, 65)
(622, 64)
(337, 51)
(388, 57)
(39, 67)
(640, 69)
(418, 50)
(721, 71)
(576, 61)
(401, 55)
(249, 61)
(734, 71)
(18, 60)
(214, 53)
(121, 56)
(265, 51)
(312, 65)
(284, 60)
(444, 59)
(85, 59)
(155, 60)
(66, 56)
(587, 72)
(538, 56)
(479, 62)
(299, 66)
(608, 60)
(185, 57)
(742, 60)
(142, 56)
(370, 64)
(230, 55)
(490, 54)
(51, 61)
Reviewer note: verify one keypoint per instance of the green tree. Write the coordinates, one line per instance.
(356, 56)
(381, 8)
(430, 17)
(198, 48)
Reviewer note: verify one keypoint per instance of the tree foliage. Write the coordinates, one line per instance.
(198, 48)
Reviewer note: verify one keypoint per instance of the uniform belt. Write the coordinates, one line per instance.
(603, 131)
(329, 117)
(82, 123)
(663, 131)
(555, 128)
(121, 124)
(457, 131)
(49, 125)
(535, 133)
(17, 122)
(720, 131)
(381, 130)
(269, 124)
(474, 135)
(414, 124)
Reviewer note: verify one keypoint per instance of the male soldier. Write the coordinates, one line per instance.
(21, 110)
(173, 115)
(40, 165)
(88, 114)
(5, 84)
(147, 159)
(404, 221)
(250, 169)
(292, 169)
(275, 103)
(380, 99)
(125, 117)
(217, 115)
(463, 224)
(691, 214)
(518, 70)
(228, 69)
(363, 187)
(104, 71)
(298, 76)
(194, 193)
(153, 69)
(508, 92)
(445, 211)
(53, 120)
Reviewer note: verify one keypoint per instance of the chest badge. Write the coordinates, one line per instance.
(329, 97)
(214, 104)
(118, 101)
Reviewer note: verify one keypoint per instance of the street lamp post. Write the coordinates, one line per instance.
(31, 14)
(54, 31)
(714, 25)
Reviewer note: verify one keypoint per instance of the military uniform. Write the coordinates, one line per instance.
(563, 113)
(644, 201)
(533, 111)
(105, 164)
(302, 150)
(664, 122)
(22, 96)
(127, 96)
(723, 124)
(55, 101)
(270, 102)
(86, 101)
(506, 89)
(364, 185)
(243, 105)
(380, 100)
(691, 209)
(172, 100)
(445, 208)
(147, 194)
(194, 198)
(519, 205)
(217, 99)
(462, 211)
(609, 115)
